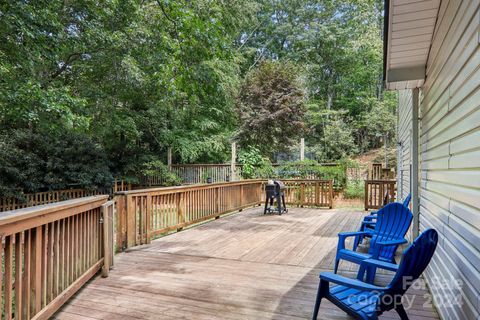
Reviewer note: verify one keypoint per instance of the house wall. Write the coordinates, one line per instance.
(404, 146)
(449, 149)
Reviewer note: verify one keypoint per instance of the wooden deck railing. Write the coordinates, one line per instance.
(317, 193)
(49, 252)
(39, 198)
(144, 214)
(379, 193)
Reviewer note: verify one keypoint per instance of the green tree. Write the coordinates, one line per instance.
(330, 138)
(132, 78)
(271, 107)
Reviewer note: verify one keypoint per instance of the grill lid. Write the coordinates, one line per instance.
(279, 184)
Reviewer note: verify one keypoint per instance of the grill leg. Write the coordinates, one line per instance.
(279, 204)
(266, 204)
(284, 205)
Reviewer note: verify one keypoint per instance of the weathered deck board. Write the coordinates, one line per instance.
(244, 266)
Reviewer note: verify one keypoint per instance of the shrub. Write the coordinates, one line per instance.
(355, 190)
(309, 169)
(33, 161)
(156, 169)
(254, 165)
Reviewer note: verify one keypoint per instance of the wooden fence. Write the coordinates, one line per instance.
(379, 193)
(198, 173)
(121, 185)
(317, 193)
(50, 251)
(39, 198)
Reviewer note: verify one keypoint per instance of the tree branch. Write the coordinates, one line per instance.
(166, 15)
(72, 57)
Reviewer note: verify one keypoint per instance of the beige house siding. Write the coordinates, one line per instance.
(404, 132)
(450, 157)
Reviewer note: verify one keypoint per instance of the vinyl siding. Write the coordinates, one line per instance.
(404, 132)
(450, 156)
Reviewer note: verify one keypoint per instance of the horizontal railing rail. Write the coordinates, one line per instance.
(49, 252)
(40, 198)
(379, 193)
(302, 193)
(147, 213)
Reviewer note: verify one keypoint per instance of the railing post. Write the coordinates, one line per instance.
(381, 198)
(107, 210)
(317, 193)
(260, 193)
(330, 187)
(302, 194)
(241, 197)
(120, 202)
(366, 195)
(148, 215)
(179, 205)
(130, 222)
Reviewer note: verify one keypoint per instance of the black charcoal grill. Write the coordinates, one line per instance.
(275, 192)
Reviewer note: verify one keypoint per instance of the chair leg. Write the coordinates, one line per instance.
(401, 312)
(337, 262)
(322, 289)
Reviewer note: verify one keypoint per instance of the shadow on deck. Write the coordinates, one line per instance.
(244, 266)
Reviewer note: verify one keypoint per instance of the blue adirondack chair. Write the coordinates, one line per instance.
(369, 221)
(366, 301)
(392, 224)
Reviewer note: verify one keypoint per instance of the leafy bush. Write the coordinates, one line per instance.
(33, 161)
(254, 165)
(156, 169)
(355, 190)
(312, 169)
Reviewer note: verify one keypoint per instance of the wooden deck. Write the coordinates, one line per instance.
(243, 266)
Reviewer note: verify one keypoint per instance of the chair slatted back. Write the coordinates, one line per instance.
(393, 222)
(414, 261)
(406, 202)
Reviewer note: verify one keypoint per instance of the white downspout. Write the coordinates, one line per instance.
(415, 162)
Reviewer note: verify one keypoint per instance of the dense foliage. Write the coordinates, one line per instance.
(153, 170)
(271, 107)
(254, 165)
(31, 161)
(355, 190)
(92, 90)
(310, 169)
